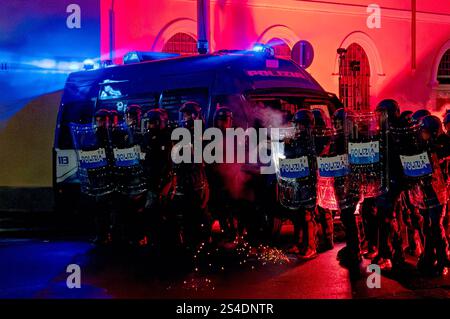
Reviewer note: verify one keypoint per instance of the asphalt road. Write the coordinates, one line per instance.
(36, 268)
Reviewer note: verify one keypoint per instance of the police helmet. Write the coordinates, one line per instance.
(420, 114)
(319, 118)
(153, 115)
(102, 117)
(191, 107)
(406, 117)
(406, 114)
(432, 124)
(134, 111)
(115, 116)
(102, 113)
(164, 114)
(447, 118)
(304, 117)
(389, 106)
(339, 115)
(223, 113)
(339, 118)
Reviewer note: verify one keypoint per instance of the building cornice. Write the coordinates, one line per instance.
(343, 9)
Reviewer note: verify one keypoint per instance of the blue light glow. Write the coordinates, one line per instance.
(89, 64)
(263, 49)
(258, 47)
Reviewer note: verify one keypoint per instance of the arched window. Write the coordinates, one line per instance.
(281, 48)
(181, 43)
(444, 69)
(354, 79)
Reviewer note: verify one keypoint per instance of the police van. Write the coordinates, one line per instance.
(261, 89)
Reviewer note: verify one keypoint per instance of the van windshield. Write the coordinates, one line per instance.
(273, 110)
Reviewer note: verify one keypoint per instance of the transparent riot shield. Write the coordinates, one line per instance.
(94, 171)
(366, 135)
(334, 189)
(127, 169)
(421, 173)
(294, 159)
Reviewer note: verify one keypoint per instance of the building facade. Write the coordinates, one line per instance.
(396, 49)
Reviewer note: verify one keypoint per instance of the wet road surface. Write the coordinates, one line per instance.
(36, 268)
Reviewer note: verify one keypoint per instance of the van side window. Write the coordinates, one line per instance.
(113, 90)
(120, 105)
(173, 100)
(79, 112)
(236, 103)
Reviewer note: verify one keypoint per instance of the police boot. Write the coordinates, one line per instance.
(103, 230)
(427, 261)
(385, 264)
(415, 246)
(442, 263)
(327, 229)
(438, 241)
(352, 254)
(309, 238)
(342, 253)
(399, 254)
(298, 236)
(371, 253)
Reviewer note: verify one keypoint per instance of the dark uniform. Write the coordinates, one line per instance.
(443, 153)
(156, 146)
(430, 195)
(95, 159)
(221, 202)
(390, 241)
(186, 195)
(324, 141)
(347, 197)
(128, 176)
(297, 182)
(133, 118)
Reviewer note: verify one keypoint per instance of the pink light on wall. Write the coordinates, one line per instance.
(327, 25)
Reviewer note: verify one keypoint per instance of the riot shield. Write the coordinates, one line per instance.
(421, 173)
(367, 142)
(94, 171)
(294, 158)
(127, 169)
(334, 191)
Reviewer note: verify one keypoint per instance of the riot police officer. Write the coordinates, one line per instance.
(297, 182)
(128, 174)
(156, 146)
(94, 170)
(390, 240)
(103, 124)
(346, 196)
(133, 118)
(443, 142)
(186, 195)
(221, 200)
(191, 112)
(133, 115)
(323, 141)
(432, 196)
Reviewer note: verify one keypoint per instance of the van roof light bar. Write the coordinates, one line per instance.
(139, 56)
